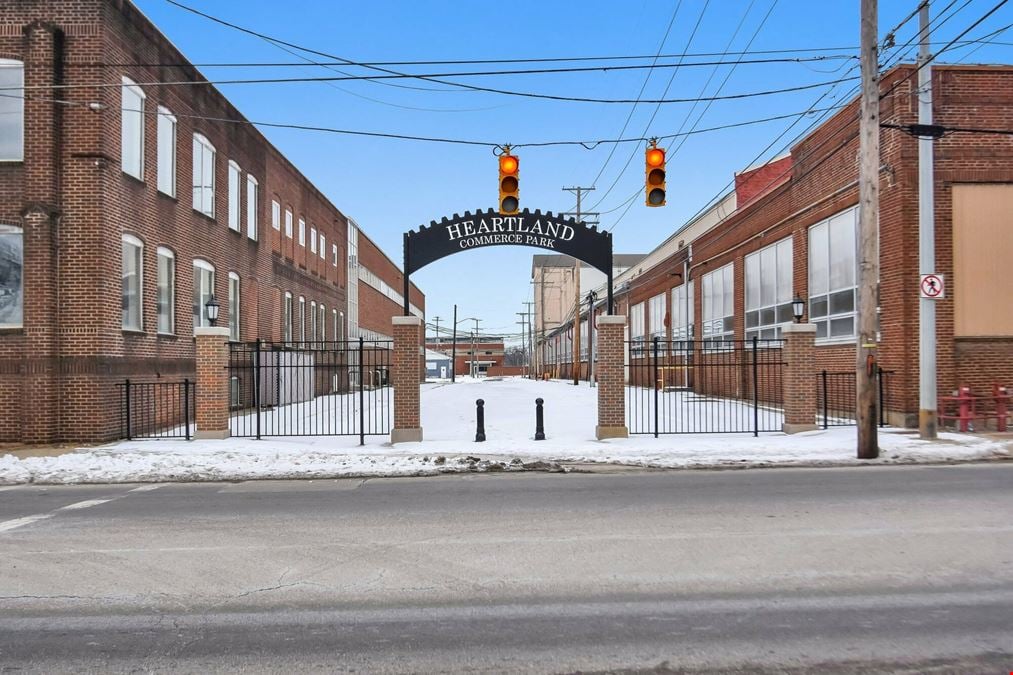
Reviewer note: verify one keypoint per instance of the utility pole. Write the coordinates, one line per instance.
(453, 350)
(576, 287)
(532, 357)
(868, 236)
(474, 354)
(523, 323)
(926, 237)
(437, 320)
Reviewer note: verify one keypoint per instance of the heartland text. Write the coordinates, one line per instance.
(509, 230)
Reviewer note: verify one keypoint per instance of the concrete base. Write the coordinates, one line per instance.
(406, 435)
(611, 432)
(211, 435)
(798, 428)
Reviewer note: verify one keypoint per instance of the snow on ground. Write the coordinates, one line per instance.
(448, 420)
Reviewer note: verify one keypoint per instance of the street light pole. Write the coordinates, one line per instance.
(926, 239)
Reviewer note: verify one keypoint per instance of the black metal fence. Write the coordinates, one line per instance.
(687, 387)
(157, 409)
(835, 397)
(336, 388)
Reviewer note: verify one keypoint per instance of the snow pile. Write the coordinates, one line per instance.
(448, 420)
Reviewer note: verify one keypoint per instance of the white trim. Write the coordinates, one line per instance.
(131, 86)
(136, 242)
(275, 215)
(17, 100)
(165, 114)
(252, 207)
(163, 252)
(203, 264)
(201, 139)
(235, 200)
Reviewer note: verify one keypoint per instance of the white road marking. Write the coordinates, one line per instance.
(8, 525)
(85, 504)
(148, 488)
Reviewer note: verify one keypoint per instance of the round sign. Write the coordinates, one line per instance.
(932, 286)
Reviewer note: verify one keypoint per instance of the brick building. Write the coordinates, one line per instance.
(790, 228)
(489, 351)
(124, 206)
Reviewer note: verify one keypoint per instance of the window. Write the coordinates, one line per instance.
(235, 176)
(286, 320)
(203, 176)
(637, 322)
(12, 115)
(313, 240)
(252, 204)
(323, 323)
(656, 316)
(302, 232)
(323, 246)
(302, 319)
(313, 321)
(133, 256)
(132, 129)
(682, 312)
(334, 254)
(203, 290)
(11, 271)
(833, 270)
(769, 290)
(288, 223)
(234, 307)
(275, 215)
(165, 301)
(335, 335)
(718, 305)
(166, 152)
(234, 391)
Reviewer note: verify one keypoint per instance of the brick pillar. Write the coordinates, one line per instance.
(799, 377)
(212, 399)
(611, 381)
(405, 376)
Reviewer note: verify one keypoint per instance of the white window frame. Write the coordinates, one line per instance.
(8, 289)
(286, 318)
(199, 296)
(276, 215)
(770, 267)
(718, 321)
(288, 223)
(335, 333)
(166, 151)
(14, 104)
(313, 239)
(656, 317)
(322, 321)
(235, 308)
(130, 88)
(302, 232)
(334, 254)
(302, 319)
(323, 247)
(235, 196)
(313, 321)
(167, 254)
(203, 185)
(682, 313)
(822, 294)
(252, 207)
(131, 240)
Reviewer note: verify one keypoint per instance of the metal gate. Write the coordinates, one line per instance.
(704, 387)
(336, 388)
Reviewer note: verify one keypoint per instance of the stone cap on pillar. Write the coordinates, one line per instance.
(406, 321)
(798, 328)
(606, 319)
(214, 331)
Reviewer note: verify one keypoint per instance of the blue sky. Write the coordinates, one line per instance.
(389, 186)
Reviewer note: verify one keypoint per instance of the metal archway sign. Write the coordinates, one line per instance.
(486, 228)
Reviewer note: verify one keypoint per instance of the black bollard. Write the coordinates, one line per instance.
(539, 420)
(480, 421)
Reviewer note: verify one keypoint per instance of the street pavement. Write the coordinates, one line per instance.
(872, 569)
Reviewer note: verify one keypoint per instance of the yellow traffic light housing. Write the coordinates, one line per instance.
(654, 171)
(509, 188)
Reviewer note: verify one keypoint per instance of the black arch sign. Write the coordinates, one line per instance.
(489, 228)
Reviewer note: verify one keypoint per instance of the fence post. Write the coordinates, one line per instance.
(256, 384)
(654, 374)
(611, 379)
(407, 414)
(800, 409)
(362, 395)
(879, 382)
(539, 420)
(127, 389)
(212, 406)
(479, 421)
(186, 407)
(756, 388)
(826, 421)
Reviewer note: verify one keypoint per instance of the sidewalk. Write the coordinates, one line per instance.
(449, 428)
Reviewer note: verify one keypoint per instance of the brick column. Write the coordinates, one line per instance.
(405, 376)
(799, 377)
(611, 381)
(212, 399)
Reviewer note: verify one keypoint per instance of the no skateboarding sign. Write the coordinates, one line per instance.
(932, 286)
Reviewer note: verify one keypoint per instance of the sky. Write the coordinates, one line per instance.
(389, 186)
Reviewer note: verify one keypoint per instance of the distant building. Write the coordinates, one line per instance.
(437, 365)
(489, 351)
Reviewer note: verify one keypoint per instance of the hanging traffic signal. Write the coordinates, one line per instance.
(509, 188)
(655, 176)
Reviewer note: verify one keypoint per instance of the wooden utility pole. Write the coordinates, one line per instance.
(868, 235)
(576, 290)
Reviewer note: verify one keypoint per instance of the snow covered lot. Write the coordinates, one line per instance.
(448, 420)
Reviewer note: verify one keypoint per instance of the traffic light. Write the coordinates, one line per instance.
(509, 188)
(655, 176)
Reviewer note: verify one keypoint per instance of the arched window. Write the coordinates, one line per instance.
(234, 307)
(132, 128)
(132, 282)
(203, 175)
(203, 290)
(11, 266)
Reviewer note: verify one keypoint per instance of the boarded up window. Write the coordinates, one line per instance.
(982, 251)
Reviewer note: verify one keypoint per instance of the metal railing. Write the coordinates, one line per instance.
(686, 386)
(835, 397)
(335, 388)
(157, 409)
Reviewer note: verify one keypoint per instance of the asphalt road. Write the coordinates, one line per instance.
(904, 569)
